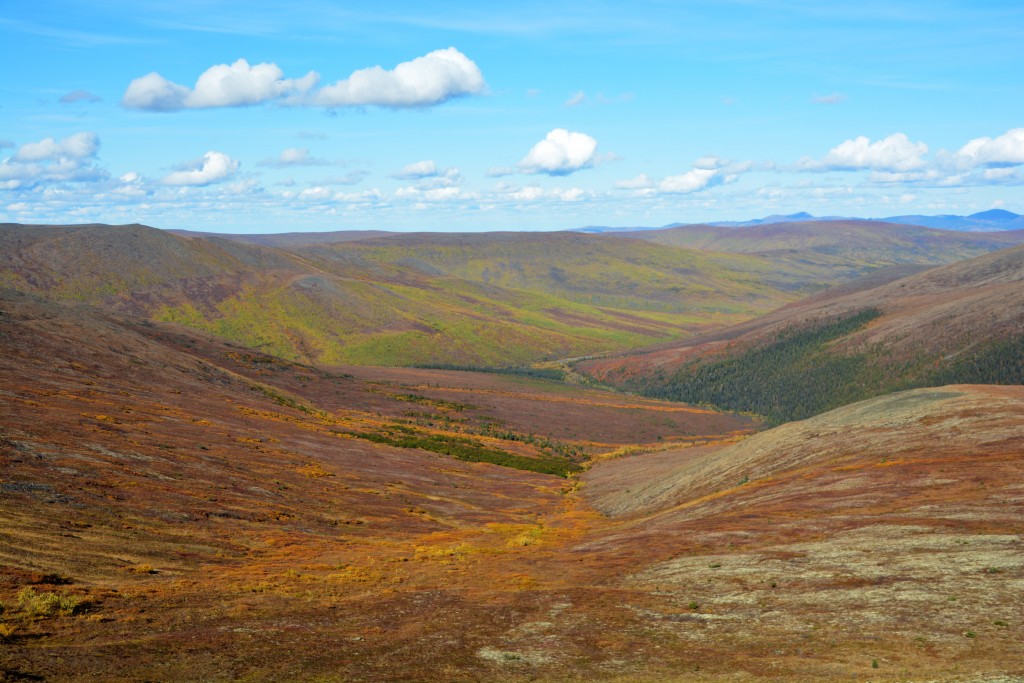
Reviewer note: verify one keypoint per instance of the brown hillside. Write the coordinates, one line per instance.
(196, 511)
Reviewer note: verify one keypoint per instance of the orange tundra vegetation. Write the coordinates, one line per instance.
(177, 508)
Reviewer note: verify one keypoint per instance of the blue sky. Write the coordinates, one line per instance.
(314, 115)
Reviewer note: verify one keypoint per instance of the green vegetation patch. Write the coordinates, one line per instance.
(465, 449)
(537, 373)
(1000, 361)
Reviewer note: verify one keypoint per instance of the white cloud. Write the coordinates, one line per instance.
(316, 194)
(153, 92)
(294, 155)
(371, 196)
(222, 85)
(1000, 173)
(577, 98)
(71, 159)
(431, 79)
(691, 181)
(572, 194)
(561, 152)
(214, 167)
(500, 171)
(708, 163)
(528, 193)
(532, 193)
(77, 146)
(240, 85)
(1005, 150)
(420, 169)
(895, 153)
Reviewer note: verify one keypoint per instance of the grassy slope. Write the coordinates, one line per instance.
(486, 300)
(465, 299)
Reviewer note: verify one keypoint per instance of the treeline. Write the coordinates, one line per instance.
(795, 375)
(790, 378)
(538, 373)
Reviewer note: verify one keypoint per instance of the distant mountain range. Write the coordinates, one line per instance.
(993, 220)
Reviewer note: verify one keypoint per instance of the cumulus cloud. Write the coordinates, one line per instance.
(212, 168)
(691, 181)
(153, 92)
(76, 96)
(241, 85)
(428, 177)
(415, 171)
(222, 85)
(561, 152)
(895, 153)
(1005, 150)
(70, 159)
(77, 146)
(431, 79)
(294, 156)
(707, 171)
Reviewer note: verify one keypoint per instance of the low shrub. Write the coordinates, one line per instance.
(47, 604)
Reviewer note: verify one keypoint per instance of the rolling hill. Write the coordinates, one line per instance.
(497, 299)
(958, 323)
(175, 507)
(842, 248)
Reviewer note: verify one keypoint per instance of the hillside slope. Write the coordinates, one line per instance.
(173, 507)
(958, 323)
(846, 247)
(498, 299)
(878, 541)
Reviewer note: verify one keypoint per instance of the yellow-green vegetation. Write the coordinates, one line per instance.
(48, 604)
(491, 300)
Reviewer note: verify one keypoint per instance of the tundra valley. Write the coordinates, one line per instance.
(204, 479)
(538, 341)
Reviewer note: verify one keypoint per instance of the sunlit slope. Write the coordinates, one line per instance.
(963, 322)
(503, 299)
(883, 537)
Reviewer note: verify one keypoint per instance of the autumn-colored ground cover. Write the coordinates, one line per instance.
(202, 512)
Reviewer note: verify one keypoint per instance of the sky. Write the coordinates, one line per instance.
(312, 115)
